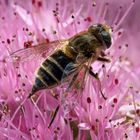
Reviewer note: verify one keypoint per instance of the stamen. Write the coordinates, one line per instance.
(39, 3)
(125, 15)
(115, 100)
(74, 20)
(105, 11)
(101, 9)
(88, 100)
(33, 1)
(16, 111)
(137, 129)
(134, 103)
(38, 110)
(94, 3)
(70, 20)
(116, 81)
(117, 17)
(8, 41)
(13, 126)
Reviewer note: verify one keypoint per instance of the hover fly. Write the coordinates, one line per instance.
(68, 57)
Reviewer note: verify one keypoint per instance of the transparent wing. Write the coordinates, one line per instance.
(71, 73)
(40, 50)
(84, 76)
(73, 69)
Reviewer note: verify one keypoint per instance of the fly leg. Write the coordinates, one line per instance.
(68, 89)
(103, 59)
(54, 115)
(72, 82)
(63, 98)
(95, 75)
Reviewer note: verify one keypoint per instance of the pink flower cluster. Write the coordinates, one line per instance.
(85, 114)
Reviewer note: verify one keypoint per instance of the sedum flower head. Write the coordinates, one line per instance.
(83, 114)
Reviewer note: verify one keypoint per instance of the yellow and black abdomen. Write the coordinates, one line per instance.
(51, 71)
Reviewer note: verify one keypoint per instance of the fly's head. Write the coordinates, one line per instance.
(103, 33)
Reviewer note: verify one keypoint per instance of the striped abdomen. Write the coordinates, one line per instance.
(51, 71)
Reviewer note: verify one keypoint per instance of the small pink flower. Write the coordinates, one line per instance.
(84, 114)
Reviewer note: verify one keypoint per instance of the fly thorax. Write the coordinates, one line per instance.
(82, 44)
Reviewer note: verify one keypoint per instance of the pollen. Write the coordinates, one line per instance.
(88, 100)
(115, 100)
(116, 81)
(137, 129)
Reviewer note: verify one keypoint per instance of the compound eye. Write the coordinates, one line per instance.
(106, 38)
(104, 34)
